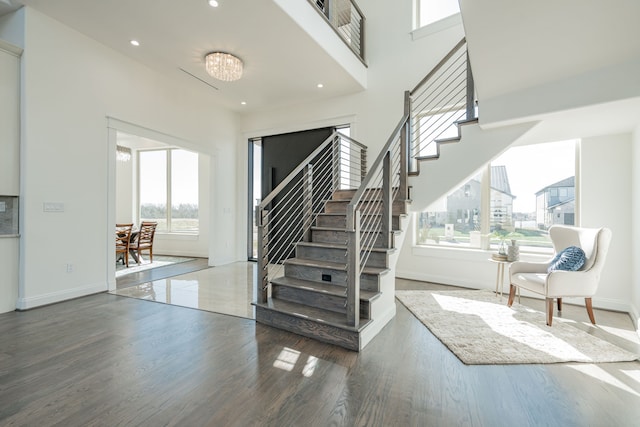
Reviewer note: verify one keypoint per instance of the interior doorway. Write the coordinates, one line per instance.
(159, 178)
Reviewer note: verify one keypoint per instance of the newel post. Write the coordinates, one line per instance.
(405, 152)
(307, 201)
(353, 267)
(387, 203)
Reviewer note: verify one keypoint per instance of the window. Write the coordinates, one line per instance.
(169, 178)
(430, 11)
(530, 189)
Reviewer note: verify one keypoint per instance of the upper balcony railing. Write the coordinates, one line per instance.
(346, 18)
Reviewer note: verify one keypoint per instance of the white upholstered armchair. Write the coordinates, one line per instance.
(557, 284)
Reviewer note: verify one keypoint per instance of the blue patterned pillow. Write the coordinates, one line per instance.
(569, 259)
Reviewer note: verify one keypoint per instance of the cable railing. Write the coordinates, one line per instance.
(444, 97)
(346, 18)
(286, 215)
(370, 212)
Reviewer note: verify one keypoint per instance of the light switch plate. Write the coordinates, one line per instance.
(53, 207)
(3, 206)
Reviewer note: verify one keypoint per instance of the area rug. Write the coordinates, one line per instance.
(480, 329)
(158, 261)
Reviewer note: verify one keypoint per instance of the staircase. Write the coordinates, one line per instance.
(329, 235)
(310, 299)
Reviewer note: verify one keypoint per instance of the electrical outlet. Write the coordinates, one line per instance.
(69, 268)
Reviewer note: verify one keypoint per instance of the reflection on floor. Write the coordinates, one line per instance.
(230, 289)
(227, 289)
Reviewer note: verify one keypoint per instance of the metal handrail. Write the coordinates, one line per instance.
(452, 91)
(347, 20)
(444, 97)
(286, 215)
(385, 182)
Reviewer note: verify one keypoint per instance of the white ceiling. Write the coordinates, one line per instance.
(175, 36)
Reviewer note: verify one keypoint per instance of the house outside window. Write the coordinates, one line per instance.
(525, 199)
(169, 178)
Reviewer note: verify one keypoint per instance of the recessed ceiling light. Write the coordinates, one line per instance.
(320, 85)
(135, 43)
(213, 3)
(244, 103)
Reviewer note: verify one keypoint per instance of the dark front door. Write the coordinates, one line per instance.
(281, 154)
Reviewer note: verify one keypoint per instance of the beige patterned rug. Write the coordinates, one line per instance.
(480, 329)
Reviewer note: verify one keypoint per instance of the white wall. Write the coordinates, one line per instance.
(9, 173)
(605, 200)
(71, 84)
(635, 227)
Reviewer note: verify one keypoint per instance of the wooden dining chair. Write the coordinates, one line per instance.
(123, 237)
(144, 242)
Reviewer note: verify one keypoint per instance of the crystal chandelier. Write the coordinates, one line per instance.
(223, 66)
(123, 154)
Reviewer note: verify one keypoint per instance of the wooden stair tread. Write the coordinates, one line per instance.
(333, 265)
(319, 315)
(323, 288)
(339, 246)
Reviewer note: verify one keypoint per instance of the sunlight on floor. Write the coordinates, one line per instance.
(600, 374)
(288, 358)
(501, 319)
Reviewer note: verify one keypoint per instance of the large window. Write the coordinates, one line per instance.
(519, 196)
(430, 11)
(169, 178)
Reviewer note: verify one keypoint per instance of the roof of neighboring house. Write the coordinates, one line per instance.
(500, 179)
(567, 182)
(560, 203)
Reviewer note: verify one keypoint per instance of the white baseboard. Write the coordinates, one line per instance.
(442, 280)
(65, 294)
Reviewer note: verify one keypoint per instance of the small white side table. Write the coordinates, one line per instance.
(500, 274)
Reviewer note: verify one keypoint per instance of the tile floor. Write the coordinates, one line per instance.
(226, 289)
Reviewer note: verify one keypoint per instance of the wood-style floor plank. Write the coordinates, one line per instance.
(106, 360)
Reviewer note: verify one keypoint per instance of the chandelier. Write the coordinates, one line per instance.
(123, 154)
(223, 66)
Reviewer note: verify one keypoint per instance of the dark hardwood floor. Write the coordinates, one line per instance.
(105, 360)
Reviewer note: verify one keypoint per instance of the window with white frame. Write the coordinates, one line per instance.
(530, 188)
(429, 11)
(168, 189)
